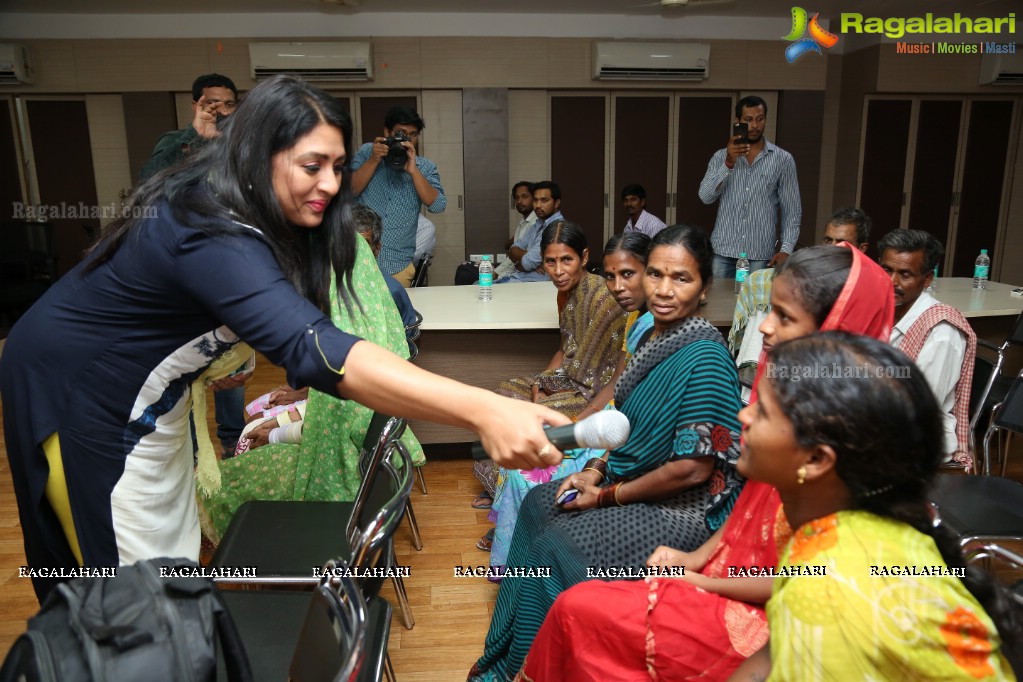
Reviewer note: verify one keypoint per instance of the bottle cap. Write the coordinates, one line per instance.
(742, 255)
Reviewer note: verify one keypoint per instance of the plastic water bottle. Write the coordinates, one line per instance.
(486, 286)
(741, 271)
(933, 286)
(981, 270)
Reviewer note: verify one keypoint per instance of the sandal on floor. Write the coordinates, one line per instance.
(486, 543)
(482, 501)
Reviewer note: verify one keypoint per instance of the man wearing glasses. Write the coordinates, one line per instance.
(213, 97)
(396, 192)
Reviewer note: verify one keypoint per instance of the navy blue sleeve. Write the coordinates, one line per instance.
(237, 279)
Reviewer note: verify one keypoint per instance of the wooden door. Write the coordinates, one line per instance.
(578, 162)
(703, 127)
(640, 153)
(883, 169)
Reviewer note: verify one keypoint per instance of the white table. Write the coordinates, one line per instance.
(514, 334)
(995, 301)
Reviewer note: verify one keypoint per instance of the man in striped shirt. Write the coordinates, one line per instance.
(397, 194)
(753, 179)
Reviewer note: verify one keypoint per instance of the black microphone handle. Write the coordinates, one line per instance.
(561, 437)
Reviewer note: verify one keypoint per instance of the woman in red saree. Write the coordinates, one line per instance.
(704, 624)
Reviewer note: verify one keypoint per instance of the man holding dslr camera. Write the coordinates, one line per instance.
(389, 177)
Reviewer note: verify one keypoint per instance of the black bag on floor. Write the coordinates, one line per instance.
(135, 626)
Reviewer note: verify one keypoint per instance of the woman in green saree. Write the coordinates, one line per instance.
(325, 465)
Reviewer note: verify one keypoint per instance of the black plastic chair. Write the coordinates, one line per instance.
(289, 636)
(412, 332)
(1006, 416)
(992, 391)
(284, 538)
(979, 508)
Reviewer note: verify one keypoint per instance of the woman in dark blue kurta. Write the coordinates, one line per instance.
(96, 377)
(680, 393)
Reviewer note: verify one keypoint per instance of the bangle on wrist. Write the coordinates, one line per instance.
(597, 464)
(608, 496)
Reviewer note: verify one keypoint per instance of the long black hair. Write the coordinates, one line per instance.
(230, 181)
(817, 275)
(884, 423)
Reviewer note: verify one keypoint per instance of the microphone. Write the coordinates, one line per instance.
(606, 430)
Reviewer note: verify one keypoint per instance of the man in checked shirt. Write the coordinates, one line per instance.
(397, 194)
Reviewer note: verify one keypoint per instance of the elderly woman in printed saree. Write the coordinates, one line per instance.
(592, 331)
(674, 481)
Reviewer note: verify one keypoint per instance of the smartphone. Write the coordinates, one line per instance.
(742, 130)
(567, 496)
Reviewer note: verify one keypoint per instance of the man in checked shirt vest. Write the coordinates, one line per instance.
(753, 180)
(397, 194)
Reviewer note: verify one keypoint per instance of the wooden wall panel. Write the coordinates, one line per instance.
(125, 65)
(800, 130)
(146, 116)
(859, 76)
(766, 68)
(397, 63)
(475, 63)
(933, 73)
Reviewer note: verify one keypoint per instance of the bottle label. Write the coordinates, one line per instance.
(486, 279)
(981, 271)
(740, 274)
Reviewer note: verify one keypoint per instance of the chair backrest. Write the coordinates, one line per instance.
(383, 431)
(385, 507)
(1010, 415)
(419, 278)
(412, 331)
(983, 377)
(332, 643)
(1016, 334)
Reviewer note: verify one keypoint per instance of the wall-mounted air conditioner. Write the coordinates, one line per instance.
(1001, 69)
(312, 61)
(651, 61)
(15, 66)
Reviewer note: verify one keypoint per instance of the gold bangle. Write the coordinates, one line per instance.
(617, 487)
(597, 470)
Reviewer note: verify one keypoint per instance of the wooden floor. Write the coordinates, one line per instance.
(452, 614)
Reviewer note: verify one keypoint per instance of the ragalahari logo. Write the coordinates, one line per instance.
(818, 36)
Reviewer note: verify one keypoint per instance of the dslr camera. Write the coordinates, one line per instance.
(397, 155)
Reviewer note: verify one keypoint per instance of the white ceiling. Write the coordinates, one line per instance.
(735, 8)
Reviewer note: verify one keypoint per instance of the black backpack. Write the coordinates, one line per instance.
(135, 626)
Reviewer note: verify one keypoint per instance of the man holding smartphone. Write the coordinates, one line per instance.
(213, 97)
(754, 179)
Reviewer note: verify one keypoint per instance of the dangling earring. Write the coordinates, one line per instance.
(801, 475)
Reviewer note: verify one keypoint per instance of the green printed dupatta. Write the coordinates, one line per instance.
(325, 465)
